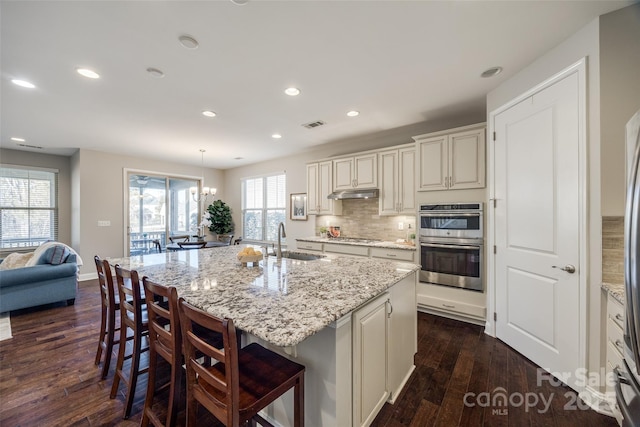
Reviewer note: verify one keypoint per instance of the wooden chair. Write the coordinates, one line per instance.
(192, 245)
(179, 238)
(110, 304)
(134, 318)
(165, 340)
(243, 382)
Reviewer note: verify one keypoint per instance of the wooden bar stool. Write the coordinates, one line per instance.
(165, 340)
(134, 318)
(243, 382)
(110, 304)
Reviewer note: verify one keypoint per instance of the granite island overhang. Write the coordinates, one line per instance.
(299, 308)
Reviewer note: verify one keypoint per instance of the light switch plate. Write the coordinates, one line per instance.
(401, 226)
(103, 223)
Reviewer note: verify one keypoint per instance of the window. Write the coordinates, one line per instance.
(264, 206)
(28, 206)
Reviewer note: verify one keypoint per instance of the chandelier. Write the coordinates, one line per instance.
(206, 191)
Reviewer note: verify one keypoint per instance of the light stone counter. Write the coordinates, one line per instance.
(279, 301)
(616, 290)
(381, 244)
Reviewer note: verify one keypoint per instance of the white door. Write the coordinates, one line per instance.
(537, 222)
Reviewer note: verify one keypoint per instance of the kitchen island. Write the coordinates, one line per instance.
(350, 321)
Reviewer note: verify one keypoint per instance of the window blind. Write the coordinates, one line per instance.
(28, 206)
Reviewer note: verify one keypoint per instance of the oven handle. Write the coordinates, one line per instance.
(448, 215)
(436, 245)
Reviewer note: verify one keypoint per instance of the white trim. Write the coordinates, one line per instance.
(597, 401)
(24, 167)
(87, 276)
(580, 68)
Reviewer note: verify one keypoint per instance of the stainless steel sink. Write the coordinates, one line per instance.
(302, 256)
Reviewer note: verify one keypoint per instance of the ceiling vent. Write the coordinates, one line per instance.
(30, 146)
(314, 124)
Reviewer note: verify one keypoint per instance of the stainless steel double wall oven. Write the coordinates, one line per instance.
(451, 245)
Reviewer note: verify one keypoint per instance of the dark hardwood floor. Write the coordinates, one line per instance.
(47, 377)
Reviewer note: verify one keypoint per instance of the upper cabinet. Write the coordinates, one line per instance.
(452, 160)
(397, 181)
(355, 172)
(319, 186)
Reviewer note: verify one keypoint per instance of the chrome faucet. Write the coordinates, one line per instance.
(281, 233)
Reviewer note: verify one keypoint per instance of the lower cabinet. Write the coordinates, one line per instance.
(615, 333)
(346, 249)
(384, 345)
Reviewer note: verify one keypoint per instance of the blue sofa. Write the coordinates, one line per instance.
(39, 284)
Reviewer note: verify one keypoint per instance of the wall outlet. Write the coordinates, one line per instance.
(104, 223)
(401, 226)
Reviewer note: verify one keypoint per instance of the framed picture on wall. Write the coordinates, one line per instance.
(298, 206)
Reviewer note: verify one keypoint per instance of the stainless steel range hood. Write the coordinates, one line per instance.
(369, 193)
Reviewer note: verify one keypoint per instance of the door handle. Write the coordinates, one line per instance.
(568, 268)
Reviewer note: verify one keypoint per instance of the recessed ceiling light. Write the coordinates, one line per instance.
(240, 2)
(23, 83)
(155, 72)
(353, 113)
(188, 42)
(493, 71)
(276, 136)
(208, 113)
(238, 158)
(292, 91)
(88, 73)
(18, 139)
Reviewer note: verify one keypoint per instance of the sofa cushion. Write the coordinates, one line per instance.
(55, 255)
(15, 260)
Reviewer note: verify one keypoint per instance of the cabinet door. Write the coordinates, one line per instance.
(403, 327)
(366, 171)
(369, 360)
(343, 175)
(467, 159)
(325, 187)
(388, 202)
(434, 165)
(312, 189)
(407, 181)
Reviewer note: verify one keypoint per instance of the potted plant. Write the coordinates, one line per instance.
(220, 220)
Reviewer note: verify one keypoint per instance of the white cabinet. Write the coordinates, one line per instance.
(355, 172)
(453, 159)
(394, 254)
(384, 345)
(370, 336)
(319, 186)
(346, 249)
(397, 181)
(309, 246)
(403, 332)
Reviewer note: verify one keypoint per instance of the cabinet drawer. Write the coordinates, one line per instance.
(615, 336)
(452, 306)
(397, 254)
(346, 249)
(309, 246)
(615, 311)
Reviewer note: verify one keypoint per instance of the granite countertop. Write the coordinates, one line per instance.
(280, 301)
(616, 290)
(380, 244)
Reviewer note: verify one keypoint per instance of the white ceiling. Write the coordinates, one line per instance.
(398, 63)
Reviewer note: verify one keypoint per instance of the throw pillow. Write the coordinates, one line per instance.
(54, 255)
(15, 260)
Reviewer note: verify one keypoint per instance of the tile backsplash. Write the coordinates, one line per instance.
(360, 218)
(613, 249)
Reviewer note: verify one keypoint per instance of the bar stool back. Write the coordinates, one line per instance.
(243, 382)
(110, 304)
(166, 342)
(134, 318)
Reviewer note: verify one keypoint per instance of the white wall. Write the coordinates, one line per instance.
(99, 183)
(63, 164)
(619, 99)
(584, 43)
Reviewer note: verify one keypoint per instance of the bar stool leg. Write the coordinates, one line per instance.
(298, 403)
(103, 330)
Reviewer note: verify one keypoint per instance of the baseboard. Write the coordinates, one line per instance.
(395, 393)
(597, 401)
(87, 276)
(450, 315)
